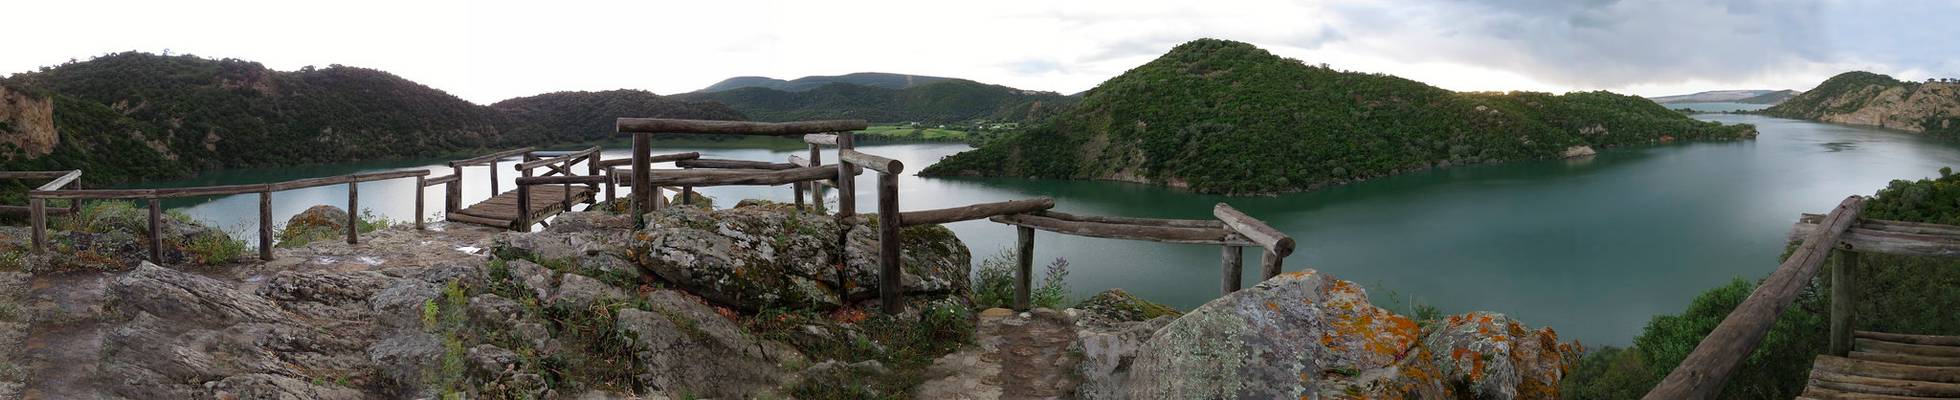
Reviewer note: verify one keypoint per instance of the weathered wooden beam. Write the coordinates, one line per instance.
(665, 125)
(1887, 238)
(708, 163)
(1233, 258)
(1123, 231)
(846, 181)
(440, 180)
(1843, 301)
(642, 178)
(313, 182)
(1930, 340)
(38, 213)
(1023, 268)
(61, 181)
(353, 212)
(874, 162)
(1254, 229)
(1703, 373)
(33, 174)
(730, 177)
(976, 211)
(1880, 369)
(825, 139)
(565, 157)
(1168, 223)
(265, 225)
(420, 187)
(890, 290)
(1883, 387)
(560, 180)
(1270, 264)
(488, 158)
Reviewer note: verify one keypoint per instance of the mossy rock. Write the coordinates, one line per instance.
(1119, 305)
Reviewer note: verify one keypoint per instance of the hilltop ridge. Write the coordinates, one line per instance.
(1871, 99)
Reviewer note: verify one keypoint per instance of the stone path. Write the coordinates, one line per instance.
(1020, 356)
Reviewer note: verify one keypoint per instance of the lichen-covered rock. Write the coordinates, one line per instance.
(1117, 305)
(1498, 358)
(317, 223)
(684, 346)
(1307, 335)
(768, 255)
(1299, 335)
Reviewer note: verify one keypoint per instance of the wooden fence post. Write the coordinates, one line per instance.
(1844, 297)
(643, 190)
(523, 220)
(495, 189)
(889, 245)
(156, 231)
(265, 225)
(846, 183)
(39, 214)
(1234, 260)
(1023, 268)
(353, 212)
(418, 201)
(1269, 265)
(816, 189)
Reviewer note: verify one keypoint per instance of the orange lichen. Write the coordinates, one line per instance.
(1271, 306)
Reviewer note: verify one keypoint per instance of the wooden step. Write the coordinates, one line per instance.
(1881, 346)
(1882, 386)
(1881, 369)
(1929, 340)
(1907, 359)
(460, 217)
(1818, 393)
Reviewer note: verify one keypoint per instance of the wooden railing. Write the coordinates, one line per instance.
(36, 209)
(1703, 373)
(265, 190)
(558, 170)
(1233, 229)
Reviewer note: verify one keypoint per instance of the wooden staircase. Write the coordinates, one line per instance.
(1889, 366)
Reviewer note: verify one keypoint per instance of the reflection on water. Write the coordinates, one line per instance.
(1592, 247)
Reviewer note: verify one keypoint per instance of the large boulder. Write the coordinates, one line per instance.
(684, 346)
(764, 255)
(317, 223)
(1110, 328)
(1307, 335)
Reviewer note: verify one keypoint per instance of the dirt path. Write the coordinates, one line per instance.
(1020, 356)
(65, 339)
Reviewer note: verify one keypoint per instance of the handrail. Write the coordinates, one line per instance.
(62, 180)
(713, 163)
(487, 158)
(1703, 373)
(559, 159)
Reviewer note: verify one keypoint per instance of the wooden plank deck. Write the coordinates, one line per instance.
(501, 211)
(1889, 366)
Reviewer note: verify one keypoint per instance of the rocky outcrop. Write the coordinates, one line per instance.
(1863, 98)
(764, 255)
(1110, 328)
(1578, 151)
(683, 346)
(1307, 335)
(111, 235)
(26, 124)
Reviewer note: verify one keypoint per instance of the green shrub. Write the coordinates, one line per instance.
(993, 283)
(215, 249)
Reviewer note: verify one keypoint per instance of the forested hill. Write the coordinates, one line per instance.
(1864, 98)
(1227, 117)
(136, 116)
(872, 79)
(951, 100)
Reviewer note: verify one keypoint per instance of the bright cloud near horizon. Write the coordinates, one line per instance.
(486, 51)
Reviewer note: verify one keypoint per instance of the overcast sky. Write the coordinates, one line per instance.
(486, 51)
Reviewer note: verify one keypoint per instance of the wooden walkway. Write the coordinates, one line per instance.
(501, 211)
(1889, 366)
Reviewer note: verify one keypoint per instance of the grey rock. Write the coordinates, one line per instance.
(182, 296)
(685, 347)
(399, 306)
(581, 292)
(275, 387)
(406, 358)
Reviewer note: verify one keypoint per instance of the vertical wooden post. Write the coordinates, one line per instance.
(156, 231)
(523, 221)
(643, 190)
(612, 184)
(687, 195)
(455, 188)
(1844, 297)
(1234, 259)
(592, 169)
(1023, 268)
(816, 190)
(353, 212)
(418, 201)
(846, 183)
(565, 204)
(889, 289)
(38, 209)
(1269, 264)
(797, 188)
(495, 189)
(265, 225)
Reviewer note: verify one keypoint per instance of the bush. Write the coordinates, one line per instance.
(993, 283)
(215, 249)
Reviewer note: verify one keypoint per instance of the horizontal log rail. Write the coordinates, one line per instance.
(1174, 223)
(664, 125)
(824, 139)
(440, 180)
(1254, 229)
(874, 162)
(1889, 237)
(61, 181)
(713, 163)
(743, 177)
(492, 157)
(560, 180)
(1164, 234)
(33, 174)
(572, 157)
(975, 211)
(1703, 373)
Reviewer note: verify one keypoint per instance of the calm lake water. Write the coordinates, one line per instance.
(1593, 248)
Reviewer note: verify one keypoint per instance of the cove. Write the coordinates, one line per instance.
(1592, 248)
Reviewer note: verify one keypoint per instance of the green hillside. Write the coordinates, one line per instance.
(1227, 117)
(1864, 98)
(872, 79)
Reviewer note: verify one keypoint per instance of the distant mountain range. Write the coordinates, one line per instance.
(1220, 116)
(1730, 96)
(943, 101)
(137, 116)
(872, 79)
(1864, 98)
